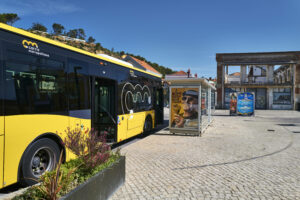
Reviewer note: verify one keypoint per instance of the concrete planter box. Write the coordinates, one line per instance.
(102, 185)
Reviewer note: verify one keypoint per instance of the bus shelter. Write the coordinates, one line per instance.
(192, 102)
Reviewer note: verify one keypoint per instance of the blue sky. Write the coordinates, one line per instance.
(176, 34)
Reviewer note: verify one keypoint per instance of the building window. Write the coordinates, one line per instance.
(282, 96)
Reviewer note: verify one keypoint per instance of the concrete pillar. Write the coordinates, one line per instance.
(220, 85)
(243, 73)
(199, 109)
(270, 73)
(296, 86)
(289, 73)
(226, 69)
(270, 97)
(209, 104)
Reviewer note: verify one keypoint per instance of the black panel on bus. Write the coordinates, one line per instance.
(37, 80)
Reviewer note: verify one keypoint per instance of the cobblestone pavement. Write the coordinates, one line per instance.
(236, 158)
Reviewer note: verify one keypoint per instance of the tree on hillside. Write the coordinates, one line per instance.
(91, 39)
(98, 47)
(81, 33)
(57, 28)
(38, 27)
(9, 18)
(72, 33)
(77, 33)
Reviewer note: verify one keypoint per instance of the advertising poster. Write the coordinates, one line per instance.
(233, 103)
(245, 103)
(184, 108)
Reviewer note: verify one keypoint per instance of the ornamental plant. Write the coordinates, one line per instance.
(93, 155)
(88, 145)
(54, 182)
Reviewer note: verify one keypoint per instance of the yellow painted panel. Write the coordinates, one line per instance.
(20, 131)
(122, 128)
(153, 118)
(2, 125)
(1, 149)
(136, 120)
(1, 159)
(76, 123)
(137, 124)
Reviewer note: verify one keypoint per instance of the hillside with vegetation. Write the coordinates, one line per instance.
(77, 38)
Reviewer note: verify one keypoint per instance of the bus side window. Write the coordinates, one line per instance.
(78, 85)
(34, 88)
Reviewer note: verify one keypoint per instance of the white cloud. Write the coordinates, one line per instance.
(32, 7)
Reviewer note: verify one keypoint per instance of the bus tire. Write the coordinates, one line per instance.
(147, 125)
(41, 156)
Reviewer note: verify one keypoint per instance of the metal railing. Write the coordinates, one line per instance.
(271, 83)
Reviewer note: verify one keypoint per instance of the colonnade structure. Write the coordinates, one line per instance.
(274, 77)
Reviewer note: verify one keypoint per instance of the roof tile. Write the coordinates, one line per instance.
(145, 65)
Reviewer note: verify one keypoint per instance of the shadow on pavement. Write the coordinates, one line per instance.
(237, 161)
(141, 136)
(220, 115)
(11, 188)
(286, 124)
(176, 134)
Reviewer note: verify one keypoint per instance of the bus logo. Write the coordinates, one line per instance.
(33, 48)
(133, 95)
(28, 44)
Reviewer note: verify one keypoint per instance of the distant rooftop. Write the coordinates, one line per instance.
(141, 64)
(180, 73)
(146, 65)
(235, 74)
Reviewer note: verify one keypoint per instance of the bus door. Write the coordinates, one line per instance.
(1, 118)
(159, 106)
(104, 118)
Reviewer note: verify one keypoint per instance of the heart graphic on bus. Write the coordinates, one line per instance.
(133, 96)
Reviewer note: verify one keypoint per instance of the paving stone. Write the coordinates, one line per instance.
(236, 158)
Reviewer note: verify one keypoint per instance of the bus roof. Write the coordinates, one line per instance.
(65, 46)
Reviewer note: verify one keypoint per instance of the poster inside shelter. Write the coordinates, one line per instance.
(184, 108)
(245, 103)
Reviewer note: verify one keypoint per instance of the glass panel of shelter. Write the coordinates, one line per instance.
(204, 106)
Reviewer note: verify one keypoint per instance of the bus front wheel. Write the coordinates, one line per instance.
(40, 156)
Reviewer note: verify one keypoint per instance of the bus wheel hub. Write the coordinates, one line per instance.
(36, 161)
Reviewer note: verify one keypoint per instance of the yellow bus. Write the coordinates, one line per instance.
(47, 86)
